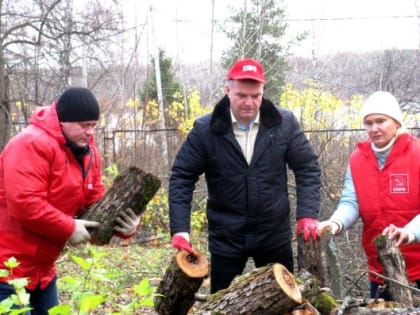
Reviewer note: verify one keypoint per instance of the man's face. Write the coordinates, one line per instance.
(78, 132)
(245, 99)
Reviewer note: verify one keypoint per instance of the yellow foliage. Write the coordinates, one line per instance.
(20, 104)
(318, 109)
(195, 109)
(133, 103)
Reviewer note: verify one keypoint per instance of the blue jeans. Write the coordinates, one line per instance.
(40, 300)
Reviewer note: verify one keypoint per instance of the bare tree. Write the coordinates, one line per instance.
(42, 41)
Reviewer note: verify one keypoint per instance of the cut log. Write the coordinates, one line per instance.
(393, 263)
(184, 276)
(133, 189)
(309, 257)
(269, 290)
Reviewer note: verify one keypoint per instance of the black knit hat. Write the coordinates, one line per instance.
(77, 104)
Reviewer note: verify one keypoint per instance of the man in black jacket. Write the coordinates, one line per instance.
(243, 148)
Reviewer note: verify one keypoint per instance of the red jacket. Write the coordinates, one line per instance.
(41, 190)
(390, 195)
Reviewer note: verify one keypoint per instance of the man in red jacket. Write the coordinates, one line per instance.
(49, 174)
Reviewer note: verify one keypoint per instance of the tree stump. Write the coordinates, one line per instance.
(184, 276)
(269, 290)
(133, 189)
(309, 257)
(393, 262)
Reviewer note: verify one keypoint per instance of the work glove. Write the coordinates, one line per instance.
(127, 222)
(308, 226)
(333, 226)
(181, 241)
(402, 235)
(80, 233)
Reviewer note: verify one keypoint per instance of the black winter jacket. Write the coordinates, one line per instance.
(248, 206)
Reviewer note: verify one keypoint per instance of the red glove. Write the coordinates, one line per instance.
(180, 243)
(308, 226)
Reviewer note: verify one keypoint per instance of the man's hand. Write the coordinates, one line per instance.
(308, 226)
(181, 241)
(80, 233)
(127, 222)
(402, 235)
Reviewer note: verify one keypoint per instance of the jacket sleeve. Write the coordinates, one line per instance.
(414, 227)
(303, 161)
(189, 164)
(26, 174)
(348, 208)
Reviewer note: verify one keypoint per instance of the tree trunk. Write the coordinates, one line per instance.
(5, 117)
(133, 189)
(269, 290)
(393, 262)
(309, 257)
(184, 276)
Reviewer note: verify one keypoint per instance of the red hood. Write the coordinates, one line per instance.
(45, 117)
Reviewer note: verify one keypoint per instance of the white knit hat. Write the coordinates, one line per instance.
(382, 103)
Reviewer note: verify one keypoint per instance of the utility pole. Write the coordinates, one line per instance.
(162, 122)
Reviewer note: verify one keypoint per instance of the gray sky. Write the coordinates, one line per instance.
(183, 27)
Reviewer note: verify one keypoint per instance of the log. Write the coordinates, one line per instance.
(184, 276)
(384, 311)
(269, 290)
(132, 188)
(316, 296)
(393, 263)
(333, 266)
(309, 257)
(353, 306)
(304, 309)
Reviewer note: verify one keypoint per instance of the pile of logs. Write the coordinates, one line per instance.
(273, 290)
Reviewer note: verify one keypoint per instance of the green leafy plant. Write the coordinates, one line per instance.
(17, 303)
(99, 283)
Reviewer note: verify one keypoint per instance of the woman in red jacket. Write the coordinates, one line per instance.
(49, 173)
(382, 188)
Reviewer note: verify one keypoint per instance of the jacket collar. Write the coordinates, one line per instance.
(221, 121)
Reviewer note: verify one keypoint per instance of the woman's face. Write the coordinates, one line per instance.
(381, 129)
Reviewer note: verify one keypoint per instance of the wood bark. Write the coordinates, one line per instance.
(269, 290)
(132, 188)
(309, 257)
(314, 294)
(393, 263)
(333, 266)
(184, 276)
(385, 311)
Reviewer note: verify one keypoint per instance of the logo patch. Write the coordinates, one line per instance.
(399, 184)
(249, 68)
